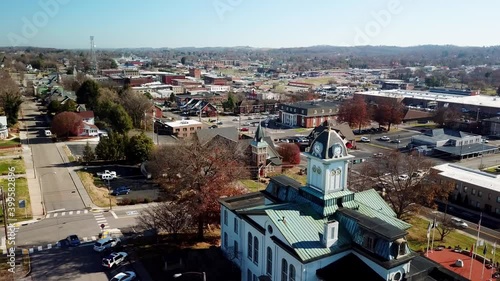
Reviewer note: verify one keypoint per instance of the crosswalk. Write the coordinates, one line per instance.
(101, 220)
(66, 213)
(85, 241)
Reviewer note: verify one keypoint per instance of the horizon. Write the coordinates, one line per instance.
(157, 24)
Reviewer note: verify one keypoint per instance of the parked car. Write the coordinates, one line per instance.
(236, 119)
(106, 243)
(73, 240)
(459, 223)
(219, 123)
(364, 139)
(378, 155)
(244, 129)
(114, 259)
(403, 177)
(107, 174)
(122, 190)
(48, 133)
(396, 141)
(124, 276)
(385, 138)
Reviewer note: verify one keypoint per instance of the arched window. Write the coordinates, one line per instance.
(284, 270)
(225, 217)
(291, 273)
(256, 250)
(250, 248)
(269, 262)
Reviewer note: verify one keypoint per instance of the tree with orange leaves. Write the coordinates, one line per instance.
(354, 112)
(198, 175)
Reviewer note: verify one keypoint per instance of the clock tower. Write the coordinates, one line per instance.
(328, 163)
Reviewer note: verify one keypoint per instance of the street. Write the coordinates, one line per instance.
(57, 187)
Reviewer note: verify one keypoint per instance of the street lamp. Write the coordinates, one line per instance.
(41, 190)
(202, 274)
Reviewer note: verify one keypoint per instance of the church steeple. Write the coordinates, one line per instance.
(259, 134)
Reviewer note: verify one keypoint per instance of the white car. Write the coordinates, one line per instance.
(106, 243)
(124, 276)
(459, 223)
(403, 177)
(364, 139)
(48, 133)
(114, 259)
(385, 138)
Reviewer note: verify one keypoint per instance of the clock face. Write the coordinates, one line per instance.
(337, 150)
(318, 148)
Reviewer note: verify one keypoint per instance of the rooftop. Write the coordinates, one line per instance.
(470, 176)
(478, 100)
(181, 123)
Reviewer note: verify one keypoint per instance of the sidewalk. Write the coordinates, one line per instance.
(32, 180)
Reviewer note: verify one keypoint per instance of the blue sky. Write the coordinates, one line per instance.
(256, 23)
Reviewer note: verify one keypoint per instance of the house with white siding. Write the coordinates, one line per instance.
(320, 231)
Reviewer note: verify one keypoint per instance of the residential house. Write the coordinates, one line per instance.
(87, 116)
(321, 230)
(198, 107)
(88, 130)
(307, 114)
(4, 130)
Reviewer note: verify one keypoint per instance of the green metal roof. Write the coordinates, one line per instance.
(302, 228)
(392, 220)
(333, 195)
(371, 198)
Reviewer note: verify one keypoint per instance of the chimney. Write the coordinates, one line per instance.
(330, 233)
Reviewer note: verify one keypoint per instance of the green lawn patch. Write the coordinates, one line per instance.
(16, 163)
(21, 192)
(11, 142)
(253, 185)
(417, 238)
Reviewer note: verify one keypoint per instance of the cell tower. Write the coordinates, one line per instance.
(93, 58)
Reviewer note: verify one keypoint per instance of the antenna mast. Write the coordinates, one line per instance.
(93, 58)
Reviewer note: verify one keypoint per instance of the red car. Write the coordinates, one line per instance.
(244, 129)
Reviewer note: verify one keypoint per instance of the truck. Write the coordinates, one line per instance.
(107, 175)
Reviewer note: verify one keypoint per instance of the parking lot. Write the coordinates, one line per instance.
(73, 264)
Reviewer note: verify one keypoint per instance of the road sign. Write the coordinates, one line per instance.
(102, 226)
(22, 203)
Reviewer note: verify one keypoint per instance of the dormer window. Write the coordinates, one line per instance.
(368, 242)
(400, 248)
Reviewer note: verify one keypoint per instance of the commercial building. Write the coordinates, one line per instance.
(473, 188)
(391, 84)
(181, 129)
(307, 114)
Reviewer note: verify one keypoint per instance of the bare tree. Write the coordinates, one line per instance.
(197, 176)
(408, 181)
(169, 217)
(136, 104)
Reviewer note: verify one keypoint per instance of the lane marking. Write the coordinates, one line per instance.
(71, 212)
(114, 214)
(63, 214)
(55, 211)
(40, 248)
(86, 211)
(77, 212)
(55, 215)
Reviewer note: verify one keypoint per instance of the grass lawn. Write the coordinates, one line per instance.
(14, 141)
(21, 193)
(17, 163)
(10, 151)
(71, 158)
(253, 185)
(294, 174)
(317, 80)
(417, 239)
(98, 194)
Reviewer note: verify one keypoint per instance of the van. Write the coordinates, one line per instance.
(48, 133)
